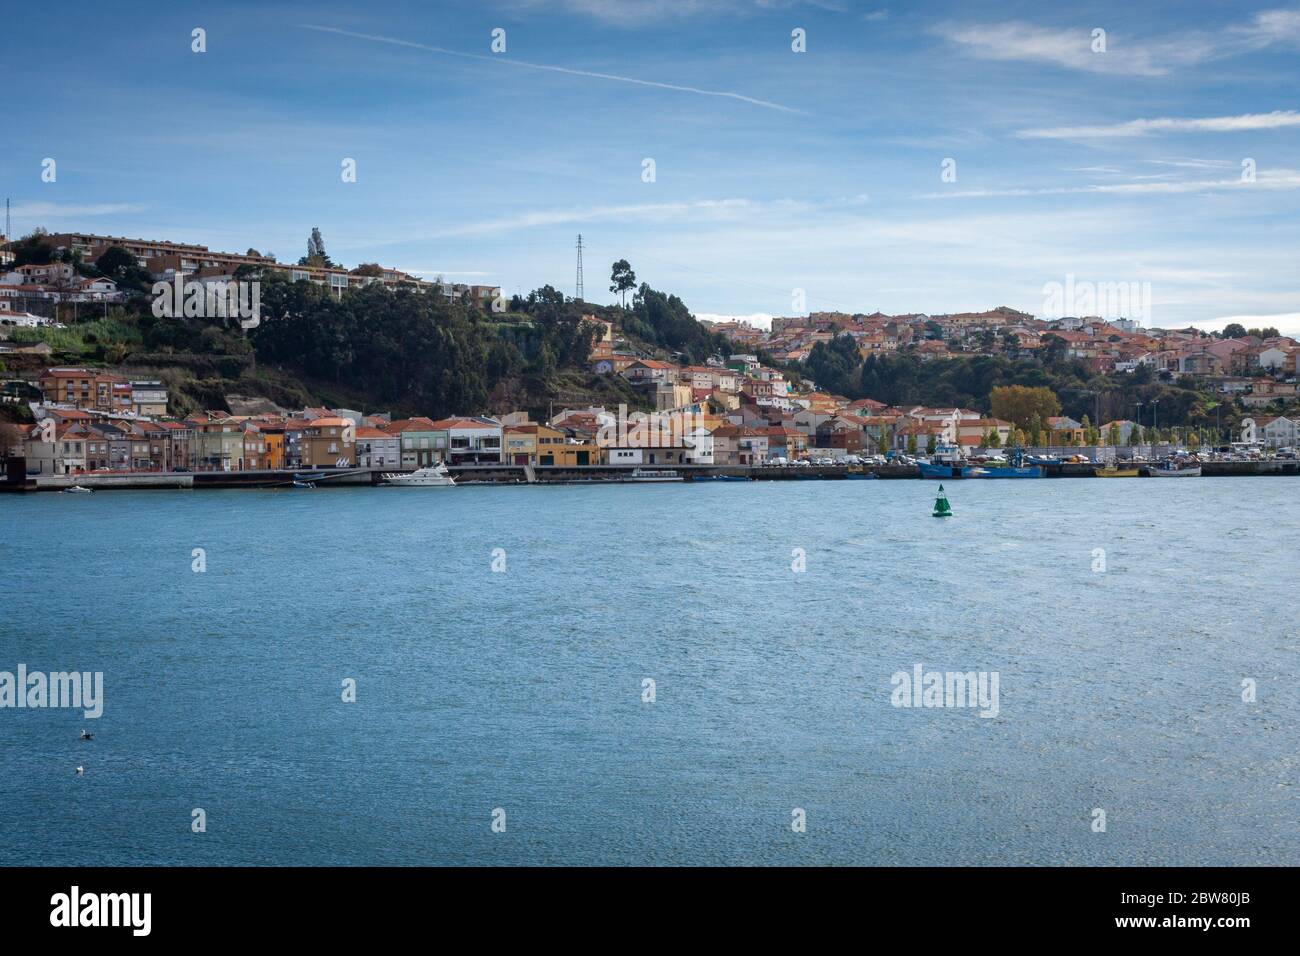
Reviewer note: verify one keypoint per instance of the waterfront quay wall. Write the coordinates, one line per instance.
(549, 474)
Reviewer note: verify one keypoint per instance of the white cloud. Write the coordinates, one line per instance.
(1287, 323)
(1071, 48)
(1246, 122)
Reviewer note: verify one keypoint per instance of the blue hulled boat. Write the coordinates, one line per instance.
(948, 462)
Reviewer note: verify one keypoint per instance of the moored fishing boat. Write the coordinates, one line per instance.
(1008, 471)
(948, 462)
(1174, 469)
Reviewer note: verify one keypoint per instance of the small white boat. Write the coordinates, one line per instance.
(430, 476)
(650, 474)
(1170, 469)
(77, 490)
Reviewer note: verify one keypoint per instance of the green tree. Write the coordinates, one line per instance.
(1054, 349)
(115, 260)
(1234, 330)
(1113, 435)
(1019, 403)
(316, 256)
(930, 444)
(911, 443)
(1035, 429)
(623, 280)
(1090, 434)
(832, 364)
(32, 249)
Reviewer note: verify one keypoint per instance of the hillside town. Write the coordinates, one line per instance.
(733, 413)
(751, 407)
(1231, 365)
(64, 280)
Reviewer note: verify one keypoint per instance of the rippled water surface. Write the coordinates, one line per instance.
(522, 690)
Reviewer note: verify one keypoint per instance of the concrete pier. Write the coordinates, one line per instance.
(558, 474)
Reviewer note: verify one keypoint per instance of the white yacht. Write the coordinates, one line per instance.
(431, 476)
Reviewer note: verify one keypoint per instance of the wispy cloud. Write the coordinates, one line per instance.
(55, 210)
(1283, 179)
(631, 13)
(753, 101)
(1193, 163)
(1072, 48)
(1246, 122)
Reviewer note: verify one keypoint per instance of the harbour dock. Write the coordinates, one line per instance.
(551, 475)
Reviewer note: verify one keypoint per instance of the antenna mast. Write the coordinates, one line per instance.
(578, 294)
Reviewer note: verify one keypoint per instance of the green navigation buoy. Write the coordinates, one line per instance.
(941, 507)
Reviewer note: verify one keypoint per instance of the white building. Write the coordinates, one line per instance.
(377, 449)
(1280, 432)
(699, 446)
(472, 441)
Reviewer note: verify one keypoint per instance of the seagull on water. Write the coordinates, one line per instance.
(80, 771)
(87, 735)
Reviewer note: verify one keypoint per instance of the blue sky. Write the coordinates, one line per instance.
(774, 170)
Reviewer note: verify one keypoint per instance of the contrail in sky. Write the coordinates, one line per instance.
(766, 104)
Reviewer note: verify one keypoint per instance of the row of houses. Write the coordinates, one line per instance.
(166, 261)
(53, 282)
(1104, 345)
(101, 391)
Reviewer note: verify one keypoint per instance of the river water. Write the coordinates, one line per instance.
(657, 674)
